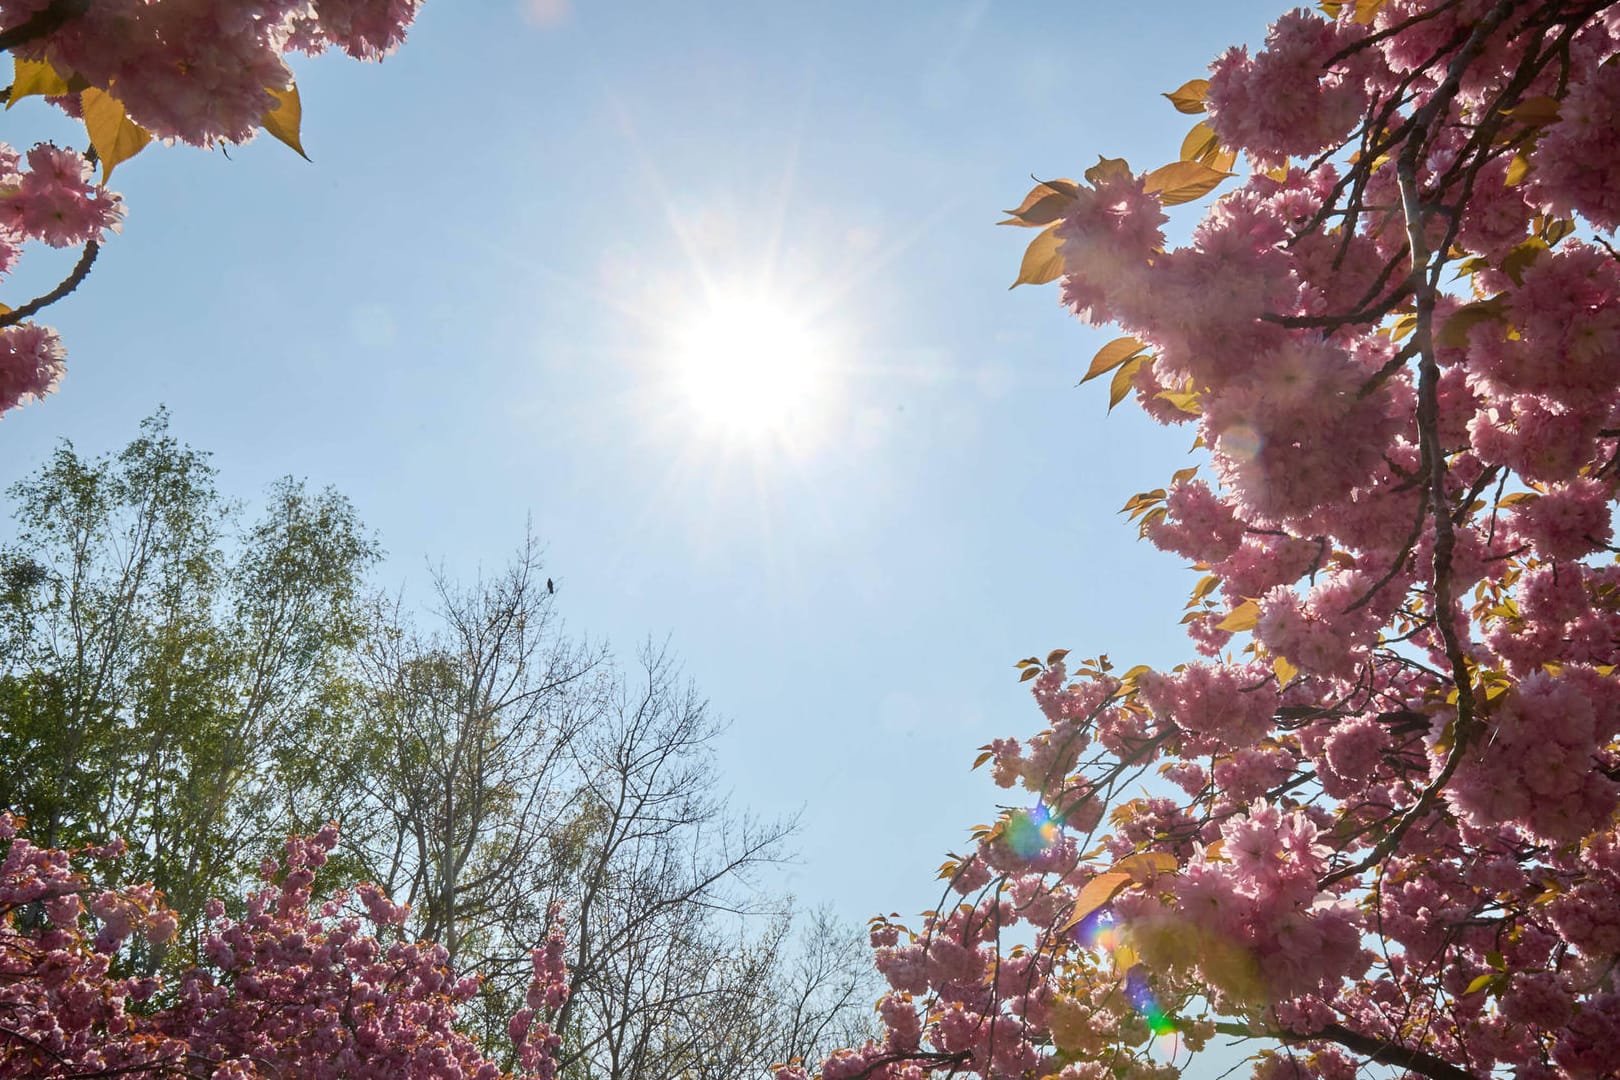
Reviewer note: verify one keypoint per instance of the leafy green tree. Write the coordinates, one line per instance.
(167, 673)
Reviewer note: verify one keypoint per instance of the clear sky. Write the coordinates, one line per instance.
(472, 308)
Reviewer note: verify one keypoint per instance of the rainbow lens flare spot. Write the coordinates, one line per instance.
(1030, 832)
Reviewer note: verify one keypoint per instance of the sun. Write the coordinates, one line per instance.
(748, 364)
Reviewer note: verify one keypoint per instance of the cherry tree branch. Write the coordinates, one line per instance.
(75, 278)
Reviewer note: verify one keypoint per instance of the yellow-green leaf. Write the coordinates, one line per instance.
(285, 120)
(1453, 333)
(1202, 145)
(1097, 893)
(115, 136)
(1189, 96)
(1518, 169)
(1366, 11)
(1517, 261)
(30, 77)
(1186, 401)
(1183, 181)
(1121, 383)
(1246, 616)
(1537, 111)
(1146, 865)
(1200, 141)
(1108, 170)
(1284, 671)
(1043, 260)
(1480, 982)
(1113, 354)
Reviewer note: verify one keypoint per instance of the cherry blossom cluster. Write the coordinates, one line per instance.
(1381, 823)
(292, 988)
(203, 72)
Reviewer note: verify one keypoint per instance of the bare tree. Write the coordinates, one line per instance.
(504, 768)
(464, 776)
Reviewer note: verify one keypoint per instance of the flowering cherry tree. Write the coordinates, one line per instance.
(204, 72)
(289, 989)
(1385, 828)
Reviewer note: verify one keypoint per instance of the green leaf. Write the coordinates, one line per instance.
(1183, 181)
(1189, 96)
(1480, 982)
(1043, 261)
(115, 136)
(1113, 354)
(285, 120)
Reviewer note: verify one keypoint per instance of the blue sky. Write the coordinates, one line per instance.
(464, 313)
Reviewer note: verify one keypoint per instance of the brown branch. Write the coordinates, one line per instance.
(1377, 1051)
(81, 270)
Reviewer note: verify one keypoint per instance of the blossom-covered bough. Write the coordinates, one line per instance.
(293, 988)
(204, 72)
(1385, 832)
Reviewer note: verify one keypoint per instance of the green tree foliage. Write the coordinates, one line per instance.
(170, 673)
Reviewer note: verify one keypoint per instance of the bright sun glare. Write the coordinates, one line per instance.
(749, 365)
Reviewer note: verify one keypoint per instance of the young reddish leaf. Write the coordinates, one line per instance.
(1183, 181)
(1043, 261)
(1098, 893)
(115, 136)
(286, 118)
(1189, 96)
(983, 757)
(1108, 170)
(1056, 655)
(1029, 673)
(30, 77)
(1246, 616)
(1120, 385)
(1113, 354)
(1039, 209)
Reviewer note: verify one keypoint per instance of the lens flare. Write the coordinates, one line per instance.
(1030, 832)
(1240, 442)
(1101, 932)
